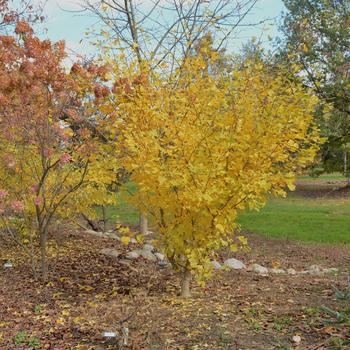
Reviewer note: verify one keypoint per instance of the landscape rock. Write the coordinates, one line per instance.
(331, 270)
(216, 265)
(163, 263)
(125, 262)
(261, 270)
(278, 271)
(110, 252)
(313, 270)
(133, 240)
(95, 233)
(148, 247)
(101, 234)
(160, 256)
(291, 271)
(132, 255)
(148, 255)
(112, 235)
(296, 339)
(234, 264)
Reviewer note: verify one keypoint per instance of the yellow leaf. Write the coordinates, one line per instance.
(234, 247)
(124, 229)
(242, 239)
(125, 240)
(140, 238)
(60, 321)
(220, 227)
(77, 319)
(305, 48)
(65, 313)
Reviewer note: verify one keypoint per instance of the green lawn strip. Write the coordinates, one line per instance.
(325, 177)
(124, 212)
(295, 218)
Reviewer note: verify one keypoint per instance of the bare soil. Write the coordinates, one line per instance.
(89, 293)
(323, 189)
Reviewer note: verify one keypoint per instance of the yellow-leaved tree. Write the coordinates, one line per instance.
(202, 147)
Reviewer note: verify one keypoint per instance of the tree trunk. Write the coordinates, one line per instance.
(104, 218)
(91, 223)
(143, 223)
(32, 262)
(44, 268)
(346, 171)
(186, 284)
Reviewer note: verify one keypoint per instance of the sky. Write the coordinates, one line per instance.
(63, 22)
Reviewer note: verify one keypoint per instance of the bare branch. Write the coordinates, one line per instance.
(165, 31)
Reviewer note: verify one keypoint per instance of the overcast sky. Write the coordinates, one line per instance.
(72, 26)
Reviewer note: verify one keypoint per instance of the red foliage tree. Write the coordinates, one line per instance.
(47, 146)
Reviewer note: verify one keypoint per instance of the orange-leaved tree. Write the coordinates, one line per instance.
(203, 147)
(52, 163)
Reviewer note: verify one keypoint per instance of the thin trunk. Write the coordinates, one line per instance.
(91, 223)
(346, 171)
(143, 223)
(44, 268)
(186, 284)
(345, 162)
(104, 218)
(33, 267)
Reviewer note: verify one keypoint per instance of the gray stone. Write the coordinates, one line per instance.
(163, 263)
(313, 270)
(113, 235)
(234, 264)
(331, 270)
(216, 265)
(126, 262)
(291, 271)
(133, 240)
(101, 234)
(277, 271)
(148, 255)
(95, 233)
(148, 247)
(110, 252)
(132, 255)
(261, 270)
(160, 256)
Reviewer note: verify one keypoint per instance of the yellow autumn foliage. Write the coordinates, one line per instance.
(202, 147)
(68, 190)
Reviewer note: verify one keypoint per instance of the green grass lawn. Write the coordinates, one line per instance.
(301, 219)
(124, 212)
(295, 217)
(325, 177)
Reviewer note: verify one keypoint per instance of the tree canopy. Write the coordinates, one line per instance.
(203, 147)
(316, 36)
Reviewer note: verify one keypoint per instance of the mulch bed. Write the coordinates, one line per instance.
(89, 293)
(323, 189)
